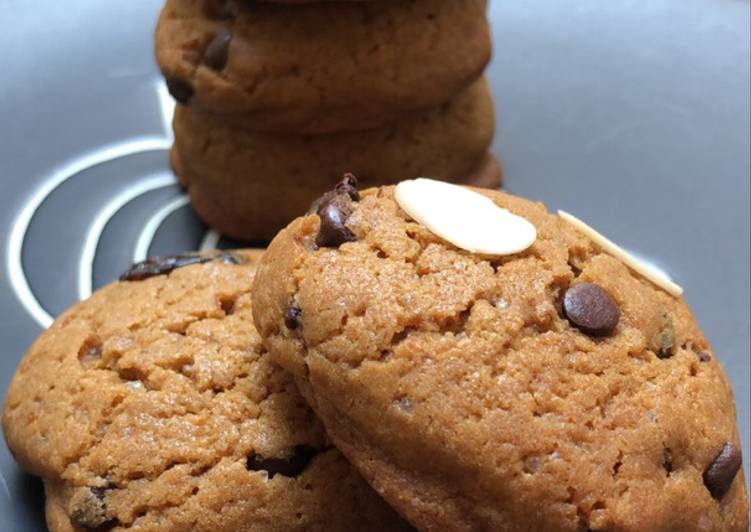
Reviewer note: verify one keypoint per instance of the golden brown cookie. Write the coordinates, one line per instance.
(323, 67)
(249, 185)
(152, 406)
(553, 389)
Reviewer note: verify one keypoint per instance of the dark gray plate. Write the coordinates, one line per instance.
(634, 115)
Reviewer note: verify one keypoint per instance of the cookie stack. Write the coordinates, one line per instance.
(278, 98)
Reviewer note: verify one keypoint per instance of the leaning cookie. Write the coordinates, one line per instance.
(323, 67)
(249, 185)
(152, 406)
(500, 369)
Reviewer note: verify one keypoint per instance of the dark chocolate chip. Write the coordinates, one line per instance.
(292, 317)
(217, 51)
(666, 338)
(316, 206)
(289, 466)
(704, 356)
(333, 231)
(348, 186)
(591, 309)
(88, 508)
(719, 475)
(154, 266)
(334, 207)
(181, 90)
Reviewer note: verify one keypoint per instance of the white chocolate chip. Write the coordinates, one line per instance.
(465, 218)
(647, 270)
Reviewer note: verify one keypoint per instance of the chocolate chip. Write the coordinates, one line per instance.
(289, 466)
(665, 347)
(348, 186)
(591, 309)
(719, 475)
(181, 90)
(704, 356)
(88, 508)
(154, 266)
(217, 51)
(333, 231)
(316, 206)
(292, 317)
(334, 207)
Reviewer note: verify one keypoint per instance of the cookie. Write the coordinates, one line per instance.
(323, 67)
(249, 185)
(152, 406)
(549, 389)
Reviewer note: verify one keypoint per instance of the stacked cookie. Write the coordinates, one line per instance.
(277, 98)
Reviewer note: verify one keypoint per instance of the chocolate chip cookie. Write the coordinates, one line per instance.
(323, 67)
(552, 388)
(152, 406)
(249, 184)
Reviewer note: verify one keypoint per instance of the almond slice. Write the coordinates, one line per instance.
(653, 274)
(464, 218)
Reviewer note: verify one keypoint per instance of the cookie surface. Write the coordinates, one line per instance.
(323, 67)
(249, 185)
(152, 406)
(460, 389)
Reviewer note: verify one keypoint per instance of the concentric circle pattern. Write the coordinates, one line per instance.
(112, 206)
